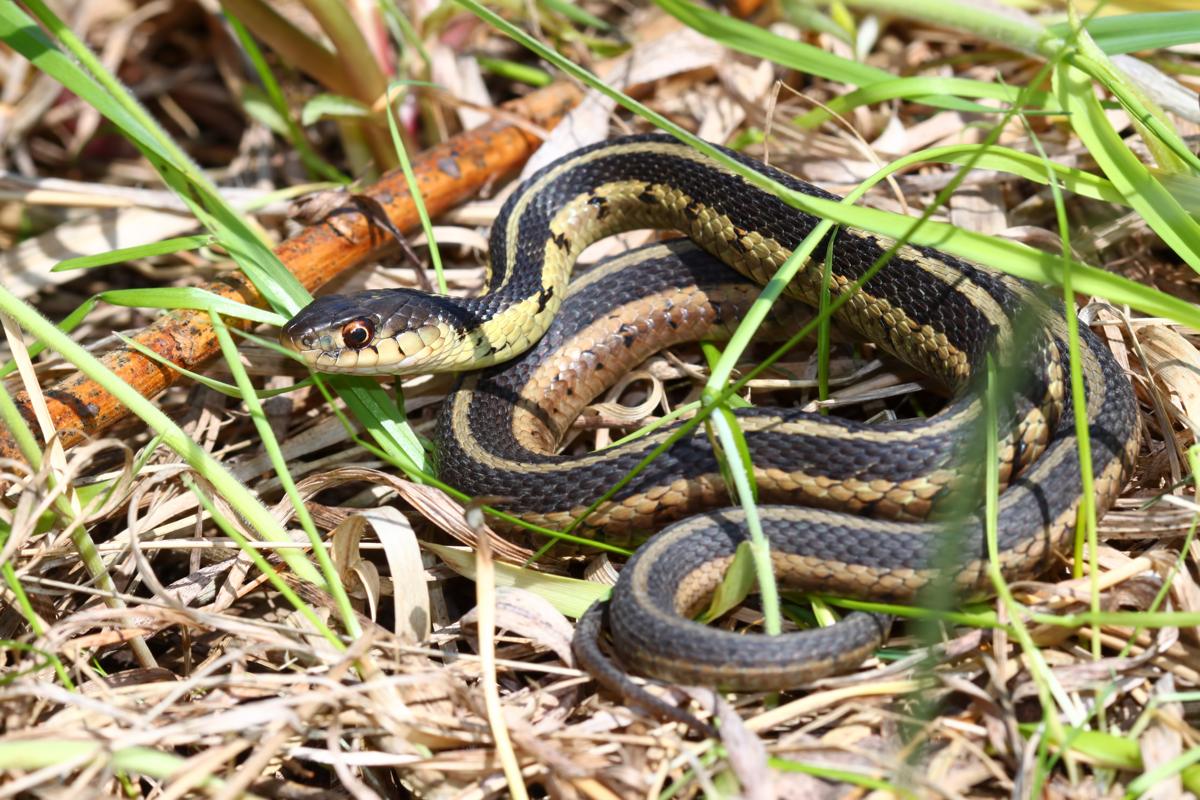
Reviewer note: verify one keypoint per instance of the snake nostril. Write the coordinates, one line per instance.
(296, 340)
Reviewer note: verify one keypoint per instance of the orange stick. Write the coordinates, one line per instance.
(446, 175)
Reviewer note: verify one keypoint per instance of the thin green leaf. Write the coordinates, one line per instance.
(570, 596)
(70, 753)
(1145, 194)
(515, 71)
(177, 245)
(919, 88)
(1167, 147)
(69, 323)
(189, 297)
(733, 443)
(335, 106)
(805, 15)
(1026, 165)
(804, 58)
(221, 387)
(258, 106)
(753, 40)
(576, 14)
(734, 587)
(839, 775)
(371, 405)
(414, 191)
(1129, 33)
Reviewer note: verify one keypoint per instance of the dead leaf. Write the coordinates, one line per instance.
(533, 617)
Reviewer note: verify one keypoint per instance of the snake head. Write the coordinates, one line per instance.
(382, 332)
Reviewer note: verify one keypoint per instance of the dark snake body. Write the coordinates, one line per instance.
(866, 489)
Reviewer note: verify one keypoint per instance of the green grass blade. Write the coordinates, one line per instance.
(920, 88)
(188, 297)
(414, 189)
(112, 100)
(64, 753)
(333, 106)
(1141, 190)
(1169, 149)
(570, 596)
(1128, 33)
(750, 39)
(515, 71)
(733, 445)
(576, 14)
(165, 247)
(735, 586)
(1025, 165)
(239, 497)
(838, 775)
(220, 387)
(275, 453)
(377, 411)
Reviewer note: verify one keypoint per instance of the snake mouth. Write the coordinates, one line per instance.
(346, 361)
(306, 345)
(293, 346)
(414, 351)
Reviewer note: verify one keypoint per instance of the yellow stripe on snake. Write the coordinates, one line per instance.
(872, 511)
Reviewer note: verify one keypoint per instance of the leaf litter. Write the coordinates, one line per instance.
(188, 651)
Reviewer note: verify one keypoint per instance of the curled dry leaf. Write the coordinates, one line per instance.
(1175, 364)
(432, 503)
(600, 570)
(359, 576)
(612, 408)
(570, 596)
(410, 593)
(529, 615)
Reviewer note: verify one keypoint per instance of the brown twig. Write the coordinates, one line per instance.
(446, 175)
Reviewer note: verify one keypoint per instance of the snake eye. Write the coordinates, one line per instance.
(358, 333)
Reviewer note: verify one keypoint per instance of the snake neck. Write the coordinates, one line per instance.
(656, 182)
(560, 211)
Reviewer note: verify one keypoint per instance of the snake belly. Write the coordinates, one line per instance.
(871, 511)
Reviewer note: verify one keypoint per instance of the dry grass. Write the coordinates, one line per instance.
(207, 663)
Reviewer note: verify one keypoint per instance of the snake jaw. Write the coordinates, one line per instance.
(392, 332)
(367, 333)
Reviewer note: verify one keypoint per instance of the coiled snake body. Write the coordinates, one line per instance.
(866, 490)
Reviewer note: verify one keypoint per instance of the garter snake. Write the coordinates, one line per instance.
(866, 490)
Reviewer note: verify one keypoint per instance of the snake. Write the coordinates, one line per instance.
(880, 511)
